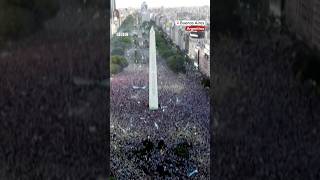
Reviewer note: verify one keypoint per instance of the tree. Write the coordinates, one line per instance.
(114, 68)
(176, 63)
(126, 40)
(120, 60)
(167, 53)
(127, 24)
(118, 51)
(121, 42)
(117, 64)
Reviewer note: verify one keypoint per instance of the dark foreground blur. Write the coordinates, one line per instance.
(266, 97)
(53, 93)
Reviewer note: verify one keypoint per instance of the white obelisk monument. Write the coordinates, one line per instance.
(153, 85)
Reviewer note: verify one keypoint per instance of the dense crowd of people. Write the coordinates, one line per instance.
(183, 114)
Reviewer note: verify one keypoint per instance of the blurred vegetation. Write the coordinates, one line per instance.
(174, 58)
(117, 64)
(120, 44)
(128, 24)
(176, 63)
(119, 60)
(118, 51)
(19, 18)
(114, 68)
(123, 42)
(167, 53)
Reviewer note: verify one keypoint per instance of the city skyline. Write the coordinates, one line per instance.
(158, 3)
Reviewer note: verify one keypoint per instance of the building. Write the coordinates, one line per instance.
(186, 42)
(195, 45)
(204, 62)
(181, 43)
(114, 18)
(168, 26)
(162, 23)
(113, 7)
(144, 12)
(157, 19)
(172, 32)
(205, 58)
(199, 51)
(176, 35)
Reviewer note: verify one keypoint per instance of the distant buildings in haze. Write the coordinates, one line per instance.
(196, 45)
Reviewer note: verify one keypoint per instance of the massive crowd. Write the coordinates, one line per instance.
(183, 115)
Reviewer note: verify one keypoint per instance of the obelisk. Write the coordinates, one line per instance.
(153, 85)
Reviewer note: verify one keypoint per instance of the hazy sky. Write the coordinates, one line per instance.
(159, 3)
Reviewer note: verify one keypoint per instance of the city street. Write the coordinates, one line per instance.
(183, 116)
